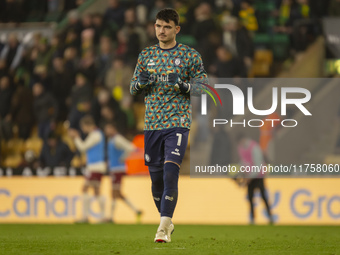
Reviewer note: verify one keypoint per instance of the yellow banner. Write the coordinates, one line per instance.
(201, 201)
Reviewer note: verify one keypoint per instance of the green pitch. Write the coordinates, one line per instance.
(187, 239)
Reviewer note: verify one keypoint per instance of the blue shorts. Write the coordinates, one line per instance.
(165, 145)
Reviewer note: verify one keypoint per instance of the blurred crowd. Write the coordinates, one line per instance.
(86, 68)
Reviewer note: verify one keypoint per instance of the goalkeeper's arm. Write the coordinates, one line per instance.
(140, 78)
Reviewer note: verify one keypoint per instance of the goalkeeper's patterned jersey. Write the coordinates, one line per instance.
(166, 106)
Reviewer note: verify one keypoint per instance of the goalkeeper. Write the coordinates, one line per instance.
(163, 72)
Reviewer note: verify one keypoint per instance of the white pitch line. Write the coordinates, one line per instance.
(175, 248)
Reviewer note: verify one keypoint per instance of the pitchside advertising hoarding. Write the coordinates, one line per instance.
(201, 201)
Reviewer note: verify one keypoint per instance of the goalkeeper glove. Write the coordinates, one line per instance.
(175, 81)
(143, 80)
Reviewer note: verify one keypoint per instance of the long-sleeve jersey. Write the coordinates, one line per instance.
(166, 106)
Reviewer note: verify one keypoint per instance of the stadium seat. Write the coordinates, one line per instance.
(280, 46)
(264, 6)
(187, 39)
(15, 146)
(35, 144)
(265, 56)
(263, 60)
(13, 160)
(262, 40)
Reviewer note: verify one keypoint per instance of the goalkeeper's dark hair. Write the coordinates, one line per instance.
(168, 14)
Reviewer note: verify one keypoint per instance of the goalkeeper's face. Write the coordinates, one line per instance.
(166, 32)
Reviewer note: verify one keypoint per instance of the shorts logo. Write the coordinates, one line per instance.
(177, 62)
(147, 158)
(157, 198)
(169, 198)
(176, 152)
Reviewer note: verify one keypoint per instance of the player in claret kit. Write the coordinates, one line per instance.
(94, 147)
(164, 72)
(118, 149)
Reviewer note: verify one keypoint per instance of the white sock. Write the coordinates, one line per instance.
(130, 205)
(101, 201)
(86, 206)
(113, 205)
(165, 223)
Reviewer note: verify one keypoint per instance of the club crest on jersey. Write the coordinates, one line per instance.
(177, 61)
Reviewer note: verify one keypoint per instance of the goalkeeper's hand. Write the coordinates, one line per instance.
(143, 79)
(175, 81)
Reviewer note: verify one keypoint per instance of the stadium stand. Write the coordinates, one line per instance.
(54, 42)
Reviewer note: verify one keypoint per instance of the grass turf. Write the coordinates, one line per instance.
(187, 239)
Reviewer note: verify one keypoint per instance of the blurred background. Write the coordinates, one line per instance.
(61, 60)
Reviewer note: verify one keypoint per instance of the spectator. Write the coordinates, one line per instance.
(117, 79)
(45, 53)
(108, 115)
(3, 68)
(136, 35)
(151, 34)
(204, 22)
(99, 27)
(237, 39)
(55, 152)
(184, 15)
(87, 67)
(71, 60)
(62, 81)
(212, 41)
(72, 39)
(6, 93)
(45, 110)
(114, 14)
(228, 66)
(41, 76)
(81, 96)
(86, 22)
(104, 58)
(22, 110)
(87, 41)
(56, 46)
(103, 98)
(247, 16)
(73, 22)
(159, 5)
(12, 52)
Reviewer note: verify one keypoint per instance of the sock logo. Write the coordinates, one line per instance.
(157, 198)
(169, 198)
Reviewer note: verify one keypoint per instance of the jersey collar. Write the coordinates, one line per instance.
(168, 49)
